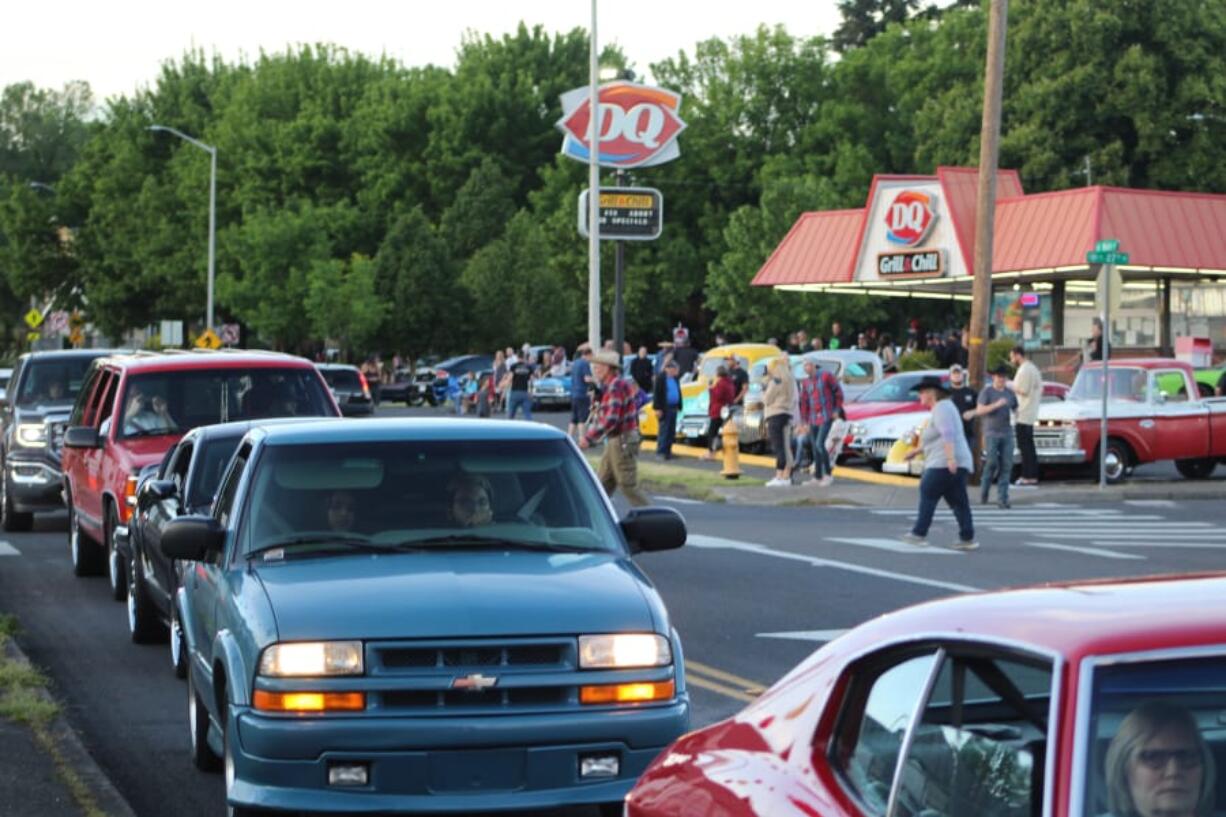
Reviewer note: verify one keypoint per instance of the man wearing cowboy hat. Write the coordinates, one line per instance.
(947, 464)
(617, 422)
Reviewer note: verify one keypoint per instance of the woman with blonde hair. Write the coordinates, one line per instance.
(778, 396)
(1158, 765)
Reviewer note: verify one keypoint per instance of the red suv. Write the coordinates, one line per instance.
(133, 408)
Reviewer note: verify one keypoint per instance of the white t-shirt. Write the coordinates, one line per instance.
(1028, 385)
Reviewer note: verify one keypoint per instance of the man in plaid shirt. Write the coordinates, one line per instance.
(617, 422)
(821, 399)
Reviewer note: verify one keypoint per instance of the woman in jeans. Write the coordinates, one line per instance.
(778, 396)
(721, 393)
(947, 464)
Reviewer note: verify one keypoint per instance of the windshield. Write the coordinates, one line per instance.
(1125, 384)
(858, 374)
(431, 493)
(53, 381)
(711, 364)
(342, 379)
(175, 402)
(901, 388)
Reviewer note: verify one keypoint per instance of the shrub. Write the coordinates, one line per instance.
(998, 353)
(914, 361)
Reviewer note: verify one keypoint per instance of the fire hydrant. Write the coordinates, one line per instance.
(731, 436)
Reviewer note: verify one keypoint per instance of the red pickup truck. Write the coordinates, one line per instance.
(1154, 413)
(132, 408)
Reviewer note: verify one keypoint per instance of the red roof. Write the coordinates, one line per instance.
(819, 249)
(961, 188)
(1045, 230)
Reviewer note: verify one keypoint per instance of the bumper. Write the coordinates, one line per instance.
(1057, 456)
(693, 427)
(34, 485)
(551, 399)
(472, 765)
(356, 409)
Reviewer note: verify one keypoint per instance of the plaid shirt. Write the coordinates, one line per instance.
(618, 412)
(821, 397)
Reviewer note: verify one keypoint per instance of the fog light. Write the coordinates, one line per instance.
(599, 766)
(348, 774)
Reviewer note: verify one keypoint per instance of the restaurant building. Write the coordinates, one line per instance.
(915, 238)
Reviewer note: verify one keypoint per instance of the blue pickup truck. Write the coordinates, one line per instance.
(423, 615)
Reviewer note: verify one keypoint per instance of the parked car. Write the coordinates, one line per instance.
(456, 367)
(33, 415)
(898, 394)
(133, 407)
(1153, 414)
(1054, 700)
(692, 419)
(409, 387)
(551, 391)
(349, 388)
(5, 375)
(436, 615)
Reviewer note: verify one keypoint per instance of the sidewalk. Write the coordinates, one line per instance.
(45, 771)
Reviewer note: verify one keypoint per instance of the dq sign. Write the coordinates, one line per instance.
(638, 125)
(909, 218)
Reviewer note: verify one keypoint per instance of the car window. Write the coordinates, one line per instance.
(1173, 386)
(84, 402)
(901, 388)
(711, 364)
(211, 461)
(1157, 738)
(858, 374)
(534, 491)
(224, 507)
(878, 711)
(178, 470)
(101, 414)
(342, 379)
(57, 380)
(1127, 383)
(979, 747)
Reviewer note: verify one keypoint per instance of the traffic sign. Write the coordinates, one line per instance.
(76, 337)
(1106, 245)
(1095, 257)
(229, 334)
(57, 322)
(626, 213)
(208, 340)
(33, 336)
(34, 319)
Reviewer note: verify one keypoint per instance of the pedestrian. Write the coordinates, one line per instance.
(371, 371)
(777, 398)
(641, 370)
(816, 345)
(1028, 386)
(947, 464)
(802, 339)
(739, 377)
(964, 399)
(996, 401)
(666, 402)
(500, 372)
(1094, 346)
(885, 351)
(581, 381)
(685, 355)
(821, 400)
(720, 393)
(617, 424)
(516, 383)
(835, 341)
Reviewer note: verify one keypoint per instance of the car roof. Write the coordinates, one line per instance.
(73, 354)
(333, 367)
(1143, 363)
(398, 429)
(754, 350)
(182, 361)
(241, 427)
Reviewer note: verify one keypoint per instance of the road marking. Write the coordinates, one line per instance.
(806, 635)
(742, 689)
(1109, 554)
(895, 545)
(712, 686)
(717, 543)
(7, 549)
(1151, 503)
(676, 500)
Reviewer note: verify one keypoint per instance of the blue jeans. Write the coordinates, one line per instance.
(821, 457)
(517, 400)
(999, 452)
(938, 484)
(668, 432)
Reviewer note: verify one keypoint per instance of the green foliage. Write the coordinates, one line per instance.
(915, 361)
(342, 304)
(415, 278)
(998, 353)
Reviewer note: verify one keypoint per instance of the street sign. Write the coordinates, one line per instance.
(33, 336)
(171, 333)
(208, 340)
(1108, 291)
(626, 213)
(57, 322)
(76, 337)
(1096, 257)
(1106, 245)
(34, 318)
(229, 334)
(638, 125)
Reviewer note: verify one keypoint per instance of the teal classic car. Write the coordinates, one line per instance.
(423, 615)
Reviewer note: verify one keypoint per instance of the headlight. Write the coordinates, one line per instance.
(312, 658)
(1072, 438)
(856, 429)
(624, 651)
(32, 435)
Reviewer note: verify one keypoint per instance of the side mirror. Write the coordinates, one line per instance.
(82, 437)
(649, 529)
(154, 491)
(192, 538)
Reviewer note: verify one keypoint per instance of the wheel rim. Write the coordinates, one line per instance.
(176, 644)
(113, 567)
(132, 598)
(191, 710)
(1115, 465)
(74, 537)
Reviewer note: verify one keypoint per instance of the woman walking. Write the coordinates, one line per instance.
(721, 393)
(947, 464)
(778, 397)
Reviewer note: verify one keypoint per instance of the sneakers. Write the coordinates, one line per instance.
(807, 481)
(911, 539)
(1004, 506)
(825, 481)
(778, 483)
(963, 544)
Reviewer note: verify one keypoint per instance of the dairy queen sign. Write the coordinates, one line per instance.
(638, 125)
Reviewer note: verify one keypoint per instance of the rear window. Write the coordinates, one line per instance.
(52, 381)
(159, 403)
(342, 379)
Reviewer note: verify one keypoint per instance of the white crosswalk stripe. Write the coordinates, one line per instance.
(7, 549)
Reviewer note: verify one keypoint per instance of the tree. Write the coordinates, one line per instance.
(480, 212)
(415, 277)
(865, 19)
(42, 131)
(343, 304)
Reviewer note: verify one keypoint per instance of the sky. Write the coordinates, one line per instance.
(118, 46)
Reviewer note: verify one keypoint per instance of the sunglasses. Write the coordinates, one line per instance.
(1158, 759)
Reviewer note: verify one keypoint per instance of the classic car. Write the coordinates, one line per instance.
(552, 391)
(423, 615)
(349, 388)
(748, 353)
(893, 395)
(988, 704)
(1152, 415)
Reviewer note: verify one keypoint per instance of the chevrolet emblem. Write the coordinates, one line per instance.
(474, 683)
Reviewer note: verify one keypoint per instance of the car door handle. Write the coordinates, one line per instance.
(1147, 424)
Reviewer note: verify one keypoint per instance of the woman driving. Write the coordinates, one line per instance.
(1158, 765)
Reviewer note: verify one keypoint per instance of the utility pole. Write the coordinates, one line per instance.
(593, 186)
(619, 298)
(985, 208)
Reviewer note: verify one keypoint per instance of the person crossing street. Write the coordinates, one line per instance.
(617, 424)
(947, 463)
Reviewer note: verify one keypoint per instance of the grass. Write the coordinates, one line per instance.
(689, 482)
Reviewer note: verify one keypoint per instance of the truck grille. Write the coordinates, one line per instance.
(1048, 439)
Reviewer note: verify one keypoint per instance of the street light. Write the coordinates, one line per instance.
(212, 151)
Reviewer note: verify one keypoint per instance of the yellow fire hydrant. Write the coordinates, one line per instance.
(731, 436)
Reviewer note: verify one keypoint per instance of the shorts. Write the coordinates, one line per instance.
(580, 408)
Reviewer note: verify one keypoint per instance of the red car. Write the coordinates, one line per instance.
(1088, 698)
(133, 408)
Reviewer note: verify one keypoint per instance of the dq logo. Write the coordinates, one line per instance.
(638, 125)
(909, 217)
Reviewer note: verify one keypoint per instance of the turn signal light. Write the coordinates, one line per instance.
(129, 499)
(636, 693)
(309, 701)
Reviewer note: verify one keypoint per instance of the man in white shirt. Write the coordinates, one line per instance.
(1028, 386)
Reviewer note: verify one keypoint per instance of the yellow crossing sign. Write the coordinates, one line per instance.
(34, 318)
(208, 340)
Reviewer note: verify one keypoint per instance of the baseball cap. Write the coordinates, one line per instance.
(957, 367)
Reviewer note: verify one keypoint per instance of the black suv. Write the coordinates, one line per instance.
(33, 414)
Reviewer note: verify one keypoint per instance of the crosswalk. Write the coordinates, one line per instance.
(7, 549)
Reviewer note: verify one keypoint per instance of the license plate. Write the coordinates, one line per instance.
(691, 432)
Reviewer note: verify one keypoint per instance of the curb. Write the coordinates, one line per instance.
(73, 754)
(843, 473)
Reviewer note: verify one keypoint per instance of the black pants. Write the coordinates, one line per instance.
(938, 484)
(777, 430)
(1030, 460)
(713, 427)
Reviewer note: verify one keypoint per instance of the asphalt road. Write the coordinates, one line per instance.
(753, 592)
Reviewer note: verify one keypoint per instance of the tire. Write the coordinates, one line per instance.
(1119, 461)
(178, 644)
(1196, 469)
(12, 521)
(611, 809)
(85, 553)
(116, 564)
(198, 729)
(143, 624)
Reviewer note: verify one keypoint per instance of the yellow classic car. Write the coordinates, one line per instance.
(749, 354)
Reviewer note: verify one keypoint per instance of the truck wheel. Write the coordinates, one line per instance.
(143, 625)
(198, 724)
(1196, 469)
(86, 555)
(115, 563)
(1119, 461)
(11, 520)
